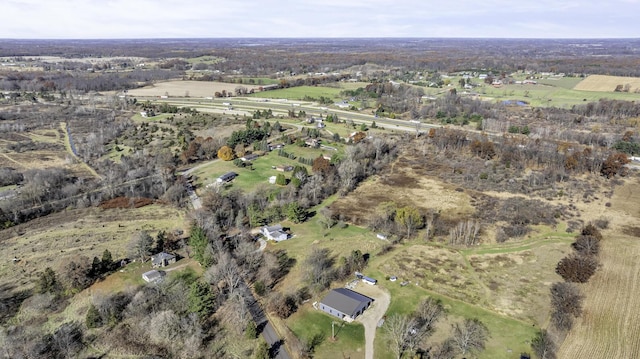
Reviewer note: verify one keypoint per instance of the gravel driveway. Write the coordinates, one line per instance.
(372, 316)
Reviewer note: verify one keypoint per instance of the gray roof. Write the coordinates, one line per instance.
(345, 300)
(227, 176)
(275, 227)
(161, 257)
(153, 275)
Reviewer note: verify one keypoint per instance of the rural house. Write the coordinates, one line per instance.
(345, 304)
(275, 233)
(227, 177)
(162, 259)
(249, 157)
(153, 276)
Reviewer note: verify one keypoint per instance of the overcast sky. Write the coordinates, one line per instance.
(92, 19)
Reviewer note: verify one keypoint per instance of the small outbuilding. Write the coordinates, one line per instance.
(227, 177)
(369, 280)
(345, 304)
(249, 157)
(153, 276)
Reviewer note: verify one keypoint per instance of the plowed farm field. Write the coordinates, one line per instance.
(186, 89)
(610, 323)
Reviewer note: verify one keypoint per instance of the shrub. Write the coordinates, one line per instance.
(577, 268)
(225, 153)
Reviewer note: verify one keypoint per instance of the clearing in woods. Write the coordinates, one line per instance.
(610, 321)
(607, 83)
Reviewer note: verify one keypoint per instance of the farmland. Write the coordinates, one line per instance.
(610, 309)
(185, 89)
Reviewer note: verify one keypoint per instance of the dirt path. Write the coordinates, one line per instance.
(67, 145)
(372, 316)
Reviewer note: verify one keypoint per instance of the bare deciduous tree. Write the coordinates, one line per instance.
(224, 274)
(140, 245)
(543, 345)
(470, 336)
(398, 332)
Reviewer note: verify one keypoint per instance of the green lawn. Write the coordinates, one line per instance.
(138, 117)
(506, 333)
(308, 323)
(261, 170)
(299, 92)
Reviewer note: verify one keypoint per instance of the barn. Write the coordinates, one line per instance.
(345, 304)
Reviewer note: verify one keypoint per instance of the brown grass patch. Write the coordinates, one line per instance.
(126, 202)
(55, 239)
(405, 186)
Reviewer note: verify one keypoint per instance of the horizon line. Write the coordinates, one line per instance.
(316, 38)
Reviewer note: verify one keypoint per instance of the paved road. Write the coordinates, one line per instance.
(269, 334)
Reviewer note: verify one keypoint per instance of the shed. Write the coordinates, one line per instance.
(369, 280)
(153, 276)
(162, 259)
(249, 157)
(345, 303)
(227, 177)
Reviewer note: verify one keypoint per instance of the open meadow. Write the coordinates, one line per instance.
(41, 148)
(53, 240)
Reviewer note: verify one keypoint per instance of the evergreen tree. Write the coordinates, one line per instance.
(296, 213)
(201, 299)
(48, 282)
(198, 241)
(107, 261)
(93, 318)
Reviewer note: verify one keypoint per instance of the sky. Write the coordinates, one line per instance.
(127, 19)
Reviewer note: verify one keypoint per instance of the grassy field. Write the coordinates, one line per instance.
(53, 240)
(298, 93)
(261, 170)
(308, 323)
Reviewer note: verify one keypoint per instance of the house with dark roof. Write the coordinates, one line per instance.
(227, 177)
(345, 304)
(162, 259)
(249, 157)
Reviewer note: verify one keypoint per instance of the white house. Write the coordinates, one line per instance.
(275, 233)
